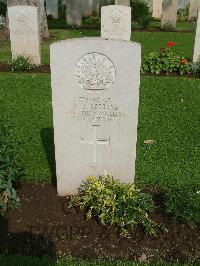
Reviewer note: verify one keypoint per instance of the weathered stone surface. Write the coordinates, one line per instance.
(122, 2)
(74, 13)
(116, 22)
(197, 41)
(193, 9)
(169, 13)
(44, 33)
(52, 8)
(24, 32)
(95, 92)
(157, 9)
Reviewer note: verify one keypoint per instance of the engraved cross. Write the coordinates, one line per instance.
(95, 142)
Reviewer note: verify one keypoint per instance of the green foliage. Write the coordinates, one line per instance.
(21, 63)
(2, 9)
(61, 10)
(182, 202)
(165, 61)
(112, 202)
(92, 21)
(9, 171)
(182, 14)
(195, 67)
(140, 12)
(168, 27)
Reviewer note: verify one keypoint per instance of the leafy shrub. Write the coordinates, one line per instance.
(9, 171)
(183, 14)
(92, 21)
(3, 9)
(112, 202)
(21, 63)
(61, 10)
(2, 21)
(195, 67)
(182, 202)
(165, 61)
(140, 12)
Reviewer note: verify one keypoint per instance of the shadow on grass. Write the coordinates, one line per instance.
(47, 137)
(24, 244)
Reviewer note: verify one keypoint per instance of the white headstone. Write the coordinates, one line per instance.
(24, 32)
(95, 92)
(182, 4)
(196, 54)
(157, 9)
(52, 8)
(169, 13)
(74, 12)
(193, 9)
(116, 22)
(87, 7)
(122, 2)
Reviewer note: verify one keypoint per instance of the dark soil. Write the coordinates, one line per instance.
(45, 226)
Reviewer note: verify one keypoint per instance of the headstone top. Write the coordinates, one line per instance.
(116, 22)
(24, 32)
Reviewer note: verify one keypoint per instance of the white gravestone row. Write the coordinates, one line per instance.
(197, 41)
(193, 9)
(52, 8)
(116, 22)
(122, 2)
(24, 32)
(169, 13)
(95, 94)
(157, 9)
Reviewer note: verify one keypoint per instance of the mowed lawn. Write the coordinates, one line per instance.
(168, 114)
(150, 41)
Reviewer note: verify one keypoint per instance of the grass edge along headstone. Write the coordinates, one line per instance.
(116, 22)
(196, 54)
(25, 32)
(95, 98)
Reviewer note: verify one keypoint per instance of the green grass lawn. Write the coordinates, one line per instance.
(168, 114)
(28, 261)
(149, 41)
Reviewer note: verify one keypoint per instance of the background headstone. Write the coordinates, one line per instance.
(52, 8)
(44, 33)
(157, 9)
(122, 2)
(197, 40)
(87, 7)
(193, 8)
(169, 13)
(73, 12)
(24, 32)
(95, 92)
(116, 22)
(96, 6)
(182, 4)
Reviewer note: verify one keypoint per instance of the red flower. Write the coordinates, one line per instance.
(170, 44)
(184, 61)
